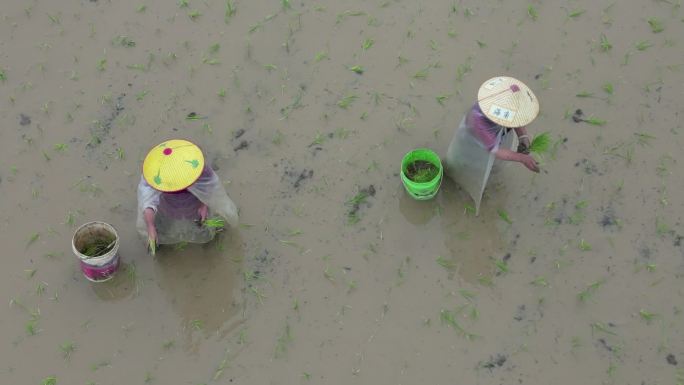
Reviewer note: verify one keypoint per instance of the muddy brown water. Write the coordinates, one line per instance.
(408, 292)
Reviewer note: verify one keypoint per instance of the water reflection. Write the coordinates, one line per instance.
(121, 286)
(199, 281)
(472, 241)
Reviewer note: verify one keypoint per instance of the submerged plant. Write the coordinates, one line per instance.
(656, 25)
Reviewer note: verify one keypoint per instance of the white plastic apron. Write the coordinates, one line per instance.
(469, 163)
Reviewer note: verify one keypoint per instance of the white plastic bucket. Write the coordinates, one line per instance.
(102, 267)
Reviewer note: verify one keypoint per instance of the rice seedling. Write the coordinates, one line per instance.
(532, 12)
(662, 228)
(32, 239)
(169, 344)
(230, 11)
(31, 327)
(367, 44)
(41, 287)
(197, 324)
(442, 98)
(222, 366)
(643, 45)
(101, 65)
(3, 75)
(447, 264)
(357, 69)
(540, 143)
(342, 16)
(504, 216)
(448, 318)
(346, 101)
(422, 74)
(604, 44)
(589, 291)
(601, 327)
(584, 245)
(148, 378)
(501, 266)
(183, 4)
(260, 296)
(52, 380)
(286, 4)
(648, 316)
(67, 349)
(141, 8)
(306, 376)
(576, 13)
(656, 25)
(584, 94)
(540, 281)
(283, 341)
(463, 69)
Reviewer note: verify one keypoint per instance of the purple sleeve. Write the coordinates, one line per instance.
(483, 129)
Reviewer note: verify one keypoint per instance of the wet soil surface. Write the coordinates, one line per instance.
(335, 275)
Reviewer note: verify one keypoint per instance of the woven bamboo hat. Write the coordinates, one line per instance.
(173, 165)
(507, 101)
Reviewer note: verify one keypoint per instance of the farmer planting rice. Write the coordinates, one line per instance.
(504, 106)
(177, 194)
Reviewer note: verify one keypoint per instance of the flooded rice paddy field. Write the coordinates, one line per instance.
(335, 275)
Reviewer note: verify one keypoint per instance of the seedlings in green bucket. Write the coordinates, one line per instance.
(421, 171)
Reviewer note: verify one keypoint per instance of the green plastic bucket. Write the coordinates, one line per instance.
(421, 190)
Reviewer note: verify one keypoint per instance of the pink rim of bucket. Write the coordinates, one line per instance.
(100, 273)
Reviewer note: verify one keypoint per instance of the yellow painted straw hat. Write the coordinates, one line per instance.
(507, 102)
(173, 165)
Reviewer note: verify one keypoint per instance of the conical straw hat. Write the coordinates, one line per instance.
(507, 102)
(173, 165)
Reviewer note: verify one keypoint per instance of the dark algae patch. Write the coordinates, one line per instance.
(98, 247)
(421, 171)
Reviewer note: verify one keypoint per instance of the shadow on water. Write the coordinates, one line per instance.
(199, 281)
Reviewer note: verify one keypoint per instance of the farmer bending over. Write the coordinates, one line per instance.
(504, 105)
(177, 193)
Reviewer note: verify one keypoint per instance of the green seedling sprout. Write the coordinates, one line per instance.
(584, 245)
(587, 293)
(142, 8)
(52, 380)
(643, 45)
(422, 74)
(230, 11)
(169, 344)
(346, 101)
(357, 69)
(540, 281)
(320, 56)
(3, 75)
(504, 216)
(585, 94)
(604, 44)
(442, 98)
(576, 13)
(532, 12)
(194, 14)
(608, 88)
(648, 316)
(502, 266)
(601, 327)
(197, 324)
(656, 25)
(367, 44)
(101, 65)
(445, 263)
(283, 341)
(67, 349)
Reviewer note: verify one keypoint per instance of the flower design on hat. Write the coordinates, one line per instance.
(194, 163)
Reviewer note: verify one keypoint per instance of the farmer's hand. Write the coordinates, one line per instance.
(203, 212)
(524, 144)
(152, 234)
(529, 162)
